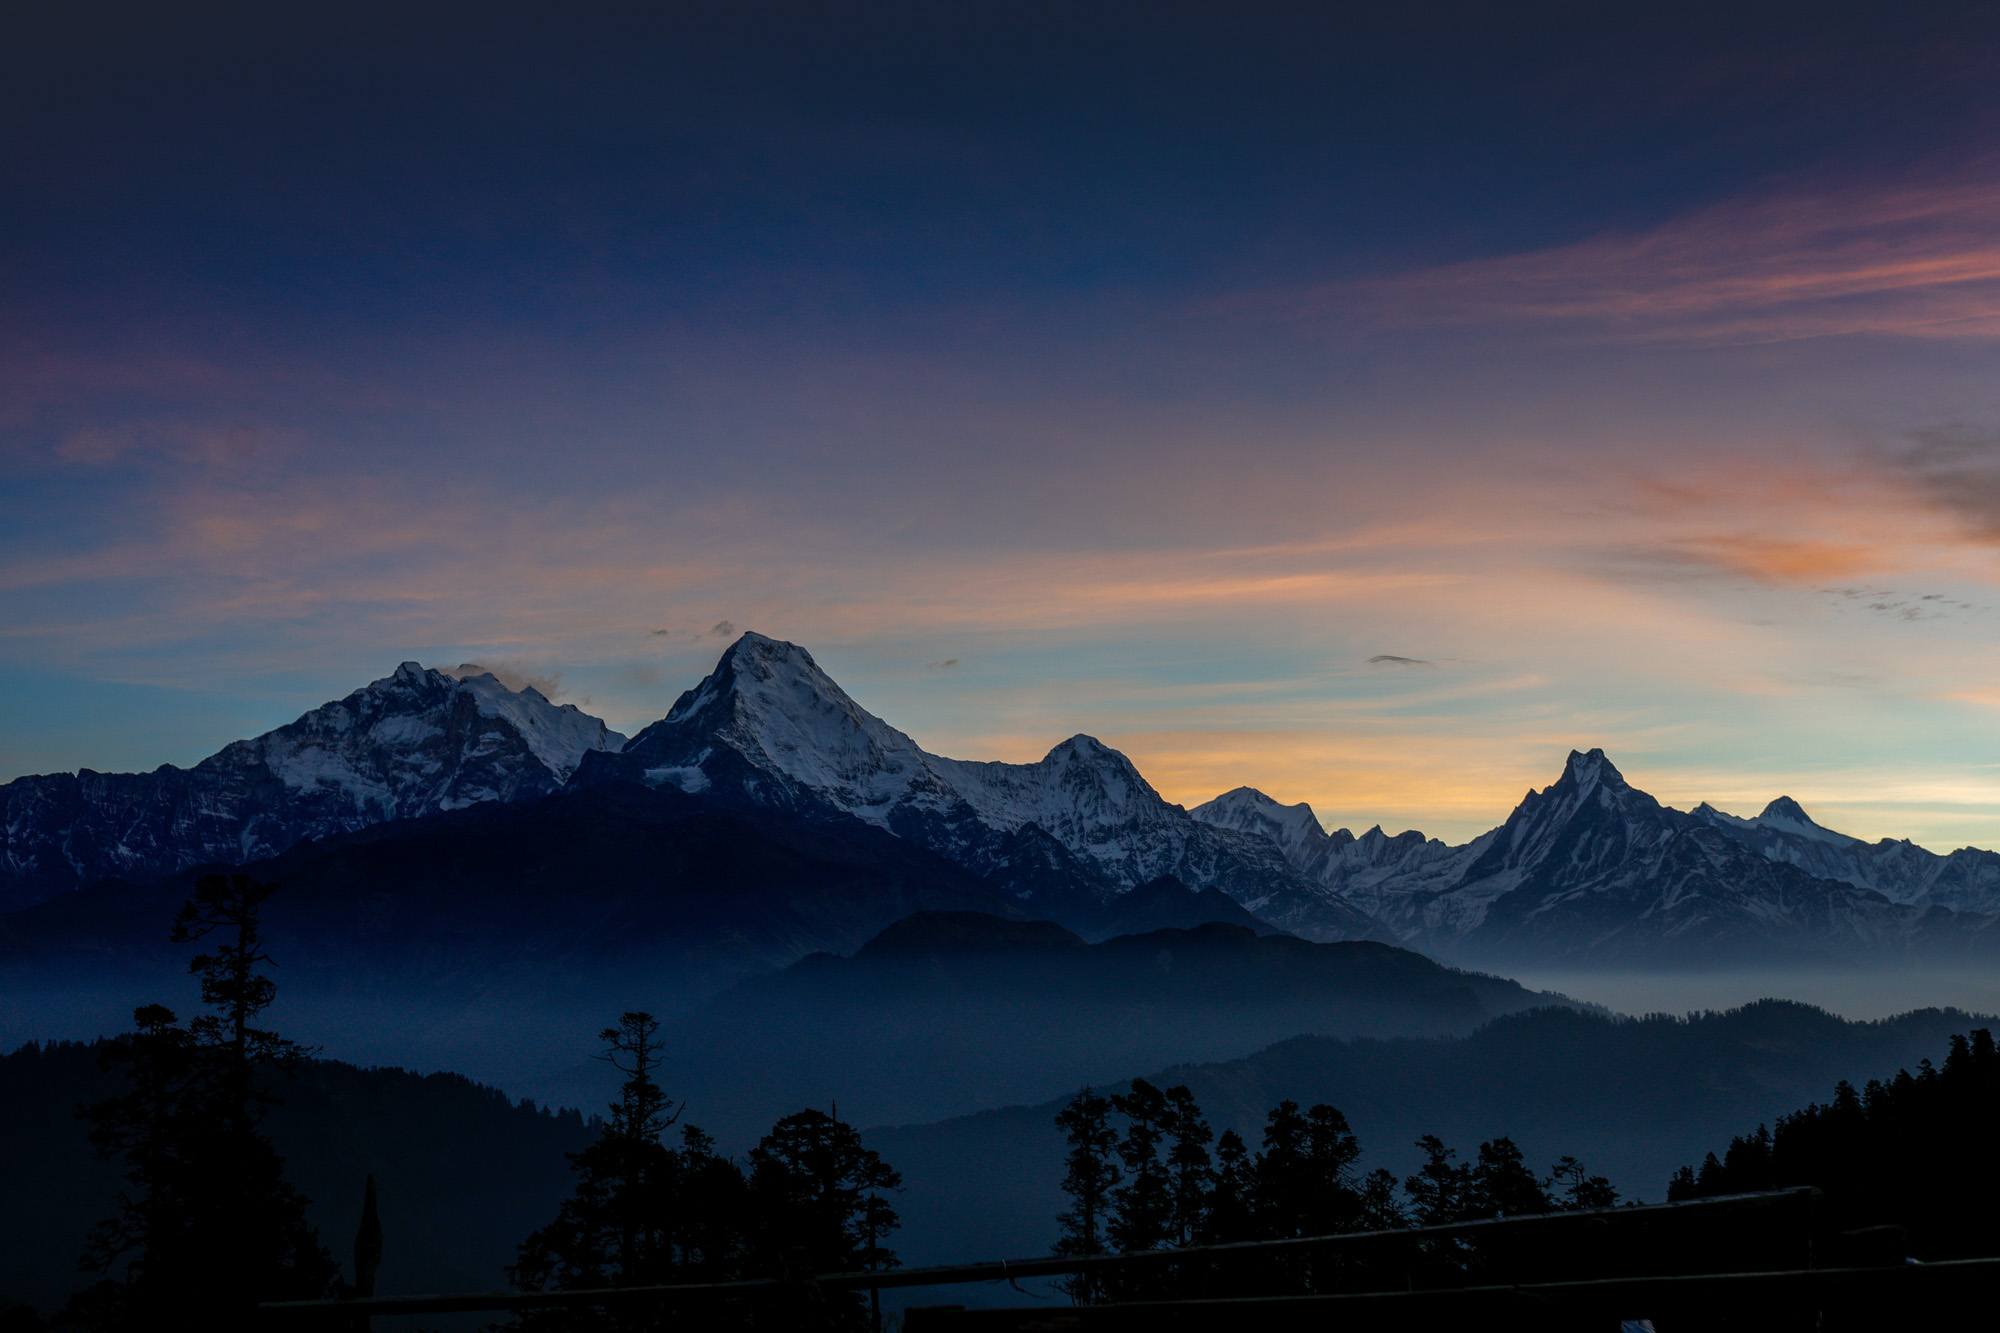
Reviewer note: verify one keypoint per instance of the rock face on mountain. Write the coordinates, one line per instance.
(417, 742)
(1064, 835)
(1593, 870)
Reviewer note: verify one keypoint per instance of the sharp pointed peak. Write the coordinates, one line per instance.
(751, 641)
(1591, 768)
(750, 645)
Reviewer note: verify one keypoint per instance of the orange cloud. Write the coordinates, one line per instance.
(1771, 560)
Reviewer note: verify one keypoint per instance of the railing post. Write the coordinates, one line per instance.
(367, 1251)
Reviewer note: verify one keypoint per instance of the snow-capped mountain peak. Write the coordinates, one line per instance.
(1295, 828)
(770, 703)
(424, 736)
(416, 742)
(558, 734)
(770, 706)
(768, 726)
(1590, 770)
(1788, 816)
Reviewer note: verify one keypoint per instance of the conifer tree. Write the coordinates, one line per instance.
(146, 1127)
(1280, 1170)
(1331, 1152)
(1142, 1208)
(1380, 1209)
(1305, 1172)
(1190, 1170)
(1440, 1190)
(1090, 1175)
(1571, 1187)
(819, 1200)
(211, 1218)
(1502, 1185)
(1232, 1200)
(715, 1222)
(619, 1228)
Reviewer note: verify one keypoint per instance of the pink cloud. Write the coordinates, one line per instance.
(1917, 260)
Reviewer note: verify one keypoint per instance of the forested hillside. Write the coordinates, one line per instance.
(463, 1172)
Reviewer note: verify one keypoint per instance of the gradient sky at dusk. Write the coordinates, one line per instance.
(1368, 405)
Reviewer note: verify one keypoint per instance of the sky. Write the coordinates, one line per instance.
(1365, 404)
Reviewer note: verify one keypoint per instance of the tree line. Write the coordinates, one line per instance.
(208, 1222)
(1909, 1151)
(1144, 1171)
(208, 1227)
(810, 1199)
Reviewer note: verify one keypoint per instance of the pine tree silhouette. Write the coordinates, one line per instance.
(819, 1200)
(1089, 1177)
(619, 1228)
(1441, 1189)
(1142, 1208)
(1502, 1184)
(210, 1221)
(1232, 1200)
(1570, 1186)
(1305, 1184)
(1381, 1210)
(1191, 1175)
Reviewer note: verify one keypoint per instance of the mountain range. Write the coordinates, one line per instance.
(1063, 835)
(1592, 870)
(1589, 870)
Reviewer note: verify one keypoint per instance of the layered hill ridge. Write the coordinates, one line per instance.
(949, 1012)
(1593, 869)
(1064, 835)
(417, 742)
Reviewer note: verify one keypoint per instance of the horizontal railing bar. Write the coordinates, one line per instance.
(1008, 1269)
(1960, 1280)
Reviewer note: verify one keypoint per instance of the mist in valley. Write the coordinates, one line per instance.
(1854, 992)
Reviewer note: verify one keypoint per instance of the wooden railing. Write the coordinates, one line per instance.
(1780, 1221)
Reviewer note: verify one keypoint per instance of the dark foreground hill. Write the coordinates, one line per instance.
(463, 1172)
(1633, 1098)
(945, 1013)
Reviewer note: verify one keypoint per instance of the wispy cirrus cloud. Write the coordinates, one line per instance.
(1915, 260)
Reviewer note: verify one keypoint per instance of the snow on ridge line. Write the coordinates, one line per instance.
(786, 714)
(402, 712)
(557, 734)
